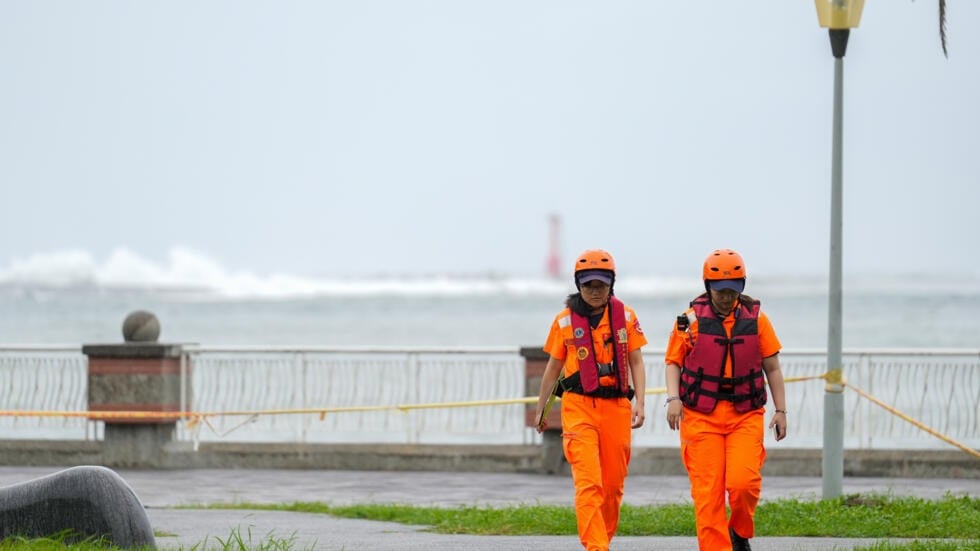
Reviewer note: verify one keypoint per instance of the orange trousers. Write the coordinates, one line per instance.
(596, 439)
(723, 452)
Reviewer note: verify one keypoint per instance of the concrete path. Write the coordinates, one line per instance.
(160, 490)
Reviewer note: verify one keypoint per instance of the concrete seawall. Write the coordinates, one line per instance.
(466, 458)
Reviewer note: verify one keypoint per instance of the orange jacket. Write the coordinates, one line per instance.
(561, 341)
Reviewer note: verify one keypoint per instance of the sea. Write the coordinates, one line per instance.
(68, 299)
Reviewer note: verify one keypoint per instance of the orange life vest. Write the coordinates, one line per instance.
(586, 379)
(702, 377)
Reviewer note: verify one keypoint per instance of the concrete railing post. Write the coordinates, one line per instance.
(552, 455)
(140, 376)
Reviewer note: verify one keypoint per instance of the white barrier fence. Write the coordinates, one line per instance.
(938, 388)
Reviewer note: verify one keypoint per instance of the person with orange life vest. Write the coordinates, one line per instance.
(716, 393)
(596, 340)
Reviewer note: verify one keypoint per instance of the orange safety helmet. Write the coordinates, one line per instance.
(723, 264)
(595, 259)
(724, 269)
(592, 262)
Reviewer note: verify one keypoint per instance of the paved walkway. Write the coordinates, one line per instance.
(184, 528)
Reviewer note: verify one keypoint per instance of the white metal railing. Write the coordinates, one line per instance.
(940, 388)
(276, 378)
(48, 378)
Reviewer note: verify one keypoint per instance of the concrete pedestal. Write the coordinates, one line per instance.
(136, 446)
(143, 380)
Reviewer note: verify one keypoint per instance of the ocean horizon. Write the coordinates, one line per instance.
(69, 298)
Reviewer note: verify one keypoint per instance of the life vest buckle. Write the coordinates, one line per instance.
(605, 369)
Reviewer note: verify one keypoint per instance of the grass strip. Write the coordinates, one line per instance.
(853, 516)
(924, 545)
(236, 541)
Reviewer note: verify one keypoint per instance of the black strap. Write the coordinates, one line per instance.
(723, 381)
(573, 384)
(727, 396)
(726, 386)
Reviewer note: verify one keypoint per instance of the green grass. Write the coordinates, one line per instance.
(236, 541)
(857, 516)
(873, 516)
(930, 545)
(56, 542)
(922, 522)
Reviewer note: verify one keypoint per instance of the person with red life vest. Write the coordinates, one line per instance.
(716, 392)
(596, 341)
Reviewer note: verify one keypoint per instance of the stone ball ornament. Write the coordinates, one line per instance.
(141, 326)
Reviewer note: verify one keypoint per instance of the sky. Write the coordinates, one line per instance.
(329, 138)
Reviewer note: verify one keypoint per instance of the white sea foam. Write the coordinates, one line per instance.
(186, 270)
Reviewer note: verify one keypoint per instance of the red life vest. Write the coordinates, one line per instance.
(582, 337)
(702, 377)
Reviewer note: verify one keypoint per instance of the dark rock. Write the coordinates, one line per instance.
(88, 502)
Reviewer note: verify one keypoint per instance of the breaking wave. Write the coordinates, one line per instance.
(191, 272)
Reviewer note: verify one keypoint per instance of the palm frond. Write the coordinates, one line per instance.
(942, 26)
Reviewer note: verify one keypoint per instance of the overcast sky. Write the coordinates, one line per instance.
(363, 137)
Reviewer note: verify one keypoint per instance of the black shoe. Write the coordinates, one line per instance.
(738, 542)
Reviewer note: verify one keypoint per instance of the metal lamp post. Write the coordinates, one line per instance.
(839, 16)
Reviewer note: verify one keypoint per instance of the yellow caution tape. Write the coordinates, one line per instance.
(905, 417)
(801, 379)
(195, 417)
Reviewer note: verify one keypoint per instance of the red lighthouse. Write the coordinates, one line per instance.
(553, 262)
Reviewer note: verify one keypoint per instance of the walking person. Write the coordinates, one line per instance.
(594, 347)
(716, 393)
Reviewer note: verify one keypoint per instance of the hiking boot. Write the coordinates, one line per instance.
(738, 542)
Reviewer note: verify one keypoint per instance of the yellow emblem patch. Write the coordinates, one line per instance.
(583, 352)
(621, 335)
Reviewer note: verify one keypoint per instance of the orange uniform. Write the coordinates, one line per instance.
(723, 450)
(596, 432)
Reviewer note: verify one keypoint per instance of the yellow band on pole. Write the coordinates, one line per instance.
(835, 381)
